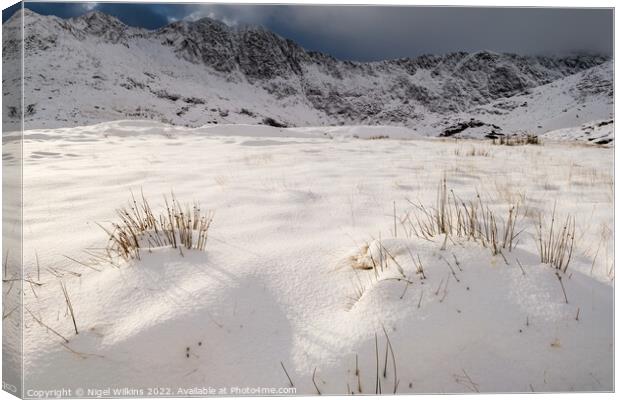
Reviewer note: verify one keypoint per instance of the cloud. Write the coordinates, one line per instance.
(135, 14)
(231, 15)
(374, 33)
(207, 13)
(62, 10)
(382, 32)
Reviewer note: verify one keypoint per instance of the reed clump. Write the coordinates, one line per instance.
(140, 228)
(517, 140)
(473, 152)
(472, 220)
(556, 243)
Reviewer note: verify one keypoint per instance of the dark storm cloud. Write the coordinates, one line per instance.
(375, 33)
(136, 14)
(62, 10)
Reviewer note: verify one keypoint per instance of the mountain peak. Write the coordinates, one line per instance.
(25, 11)
(102, 25)
(21, 13)
(96, 17)
(207, 21)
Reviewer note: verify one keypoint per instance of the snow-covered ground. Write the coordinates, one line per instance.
(276, 291)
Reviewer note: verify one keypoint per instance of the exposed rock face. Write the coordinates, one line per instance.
(594, 83)
(226, 68)
(104, 26)
(206, 41)
(256, 52)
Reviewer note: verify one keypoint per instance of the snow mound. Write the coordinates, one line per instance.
(130, 128)
(460, 325)
(374, 132)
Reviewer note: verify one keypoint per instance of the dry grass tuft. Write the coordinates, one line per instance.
(472, 220)
(517, 140)
(555, 246)
(141, 228)
(473, 152)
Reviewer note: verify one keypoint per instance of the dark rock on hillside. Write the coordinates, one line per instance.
(462, 126)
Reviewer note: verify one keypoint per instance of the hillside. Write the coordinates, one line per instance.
(94, 68)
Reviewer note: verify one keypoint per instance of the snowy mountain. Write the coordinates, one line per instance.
(94, 68)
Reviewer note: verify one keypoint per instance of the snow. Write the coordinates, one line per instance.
(110, 71)
(555, 105)
(293, 208)
(598, 132)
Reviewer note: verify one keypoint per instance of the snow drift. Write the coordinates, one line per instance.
(276, 290)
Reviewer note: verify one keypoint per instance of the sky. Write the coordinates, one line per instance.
(369, 33)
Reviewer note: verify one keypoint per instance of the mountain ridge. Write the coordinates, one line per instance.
(272, 76)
